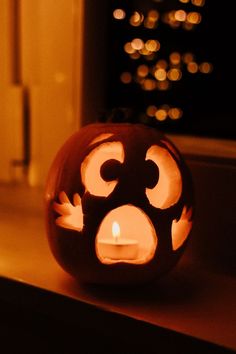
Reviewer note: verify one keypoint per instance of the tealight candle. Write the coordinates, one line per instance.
(118, 248)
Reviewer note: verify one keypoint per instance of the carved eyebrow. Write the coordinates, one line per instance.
(101, 137)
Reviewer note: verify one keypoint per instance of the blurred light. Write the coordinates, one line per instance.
(184, 1)
(119, 14)
(149, 85)
(188, 57)
(180, 15)
(192, 67)
(162, 64)
(144, 51)
(169, 18)
(151, 110)
(128, 48)
(194, 18)
(205, 68)
(153, 15)
(175, 113)
(152, 45)
(198, 2)
(136, 19)
(161, 114)
(175, 58)
(150, 24)
(163, 85)
(174, 74)
(160, 74)
(126, 77)
(143, 70)
(151, 20)
(135, 55)
(137, 44)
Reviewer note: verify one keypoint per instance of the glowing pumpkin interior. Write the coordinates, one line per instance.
(126, 234)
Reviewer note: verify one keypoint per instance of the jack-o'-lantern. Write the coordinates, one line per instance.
(119, 204)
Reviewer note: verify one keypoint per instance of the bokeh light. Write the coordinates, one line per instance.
(126, 77)
(119, 14)
(192, 67)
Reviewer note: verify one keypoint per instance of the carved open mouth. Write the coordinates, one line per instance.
(126, 235)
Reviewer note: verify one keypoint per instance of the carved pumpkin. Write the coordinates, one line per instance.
(119, 204)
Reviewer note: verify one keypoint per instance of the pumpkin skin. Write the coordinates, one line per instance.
(135, 178)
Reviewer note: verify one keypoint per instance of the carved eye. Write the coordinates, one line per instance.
(100, 168)
(168, 189)
(180, 229)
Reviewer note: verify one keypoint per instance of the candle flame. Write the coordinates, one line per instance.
(115, 230)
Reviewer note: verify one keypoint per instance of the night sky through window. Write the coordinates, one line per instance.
(172, 61)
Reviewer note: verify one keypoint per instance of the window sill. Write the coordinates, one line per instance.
(194, 304)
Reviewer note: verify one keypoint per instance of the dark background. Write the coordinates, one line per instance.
(207, 100)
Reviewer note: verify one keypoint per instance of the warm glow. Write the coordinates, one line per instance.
(136, 19)
(100, 138)
(138, 239)
(91, 167)
(119, 14)
(115, 231)
(163, 85)
(142, 70)
(174, 74)
(184, 1)
(151, 20)
(151, 110)
(194, 18)
(169, 186)
(59, 77)
(171, 16)
(175, 58)
(128, 48)
(192, 67)
(205, 68)
(160, 74)
(170, 19)
(135, 56)
(126, 77)
(198, 2)
(152, 45)
(161, 114)
(153, 15)
(71, 214)
(188, 58)
(175, 113)
(161, 64)
(149, 85)
(144, 51)
(180, 15)
(137, 44)
(181, 228)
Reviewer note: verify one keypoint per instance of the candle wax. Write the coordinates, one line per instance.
(118, 249)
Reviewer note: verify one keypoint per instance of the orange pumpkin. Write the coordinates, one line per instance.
(119, 203)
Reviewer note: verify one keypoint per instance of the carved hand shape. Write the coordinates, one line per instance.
(71, 214)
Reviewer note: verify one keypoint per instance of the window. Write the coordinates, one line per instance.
(172, 60)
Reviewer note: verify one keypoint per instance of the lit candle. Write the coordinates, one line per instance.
(116, 247)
